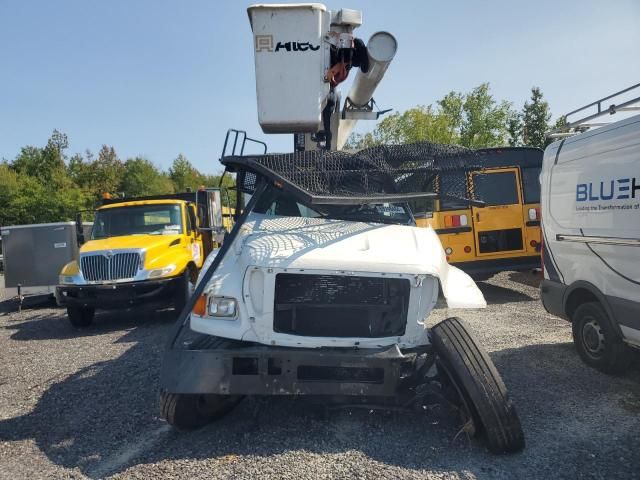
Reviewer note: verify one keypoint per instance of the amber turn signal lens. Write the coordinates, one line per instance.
(467, 249)
(200, 308)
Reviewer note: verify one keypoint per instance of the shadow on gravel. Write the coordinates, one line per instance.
(495, 295)
(57, 327)
(531, 279)
(103, 420)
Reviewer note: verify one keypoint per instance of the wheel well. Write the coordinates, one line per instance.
(577, 298)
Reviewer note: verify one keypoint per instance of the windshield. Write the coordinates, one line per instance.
(280, 204)
(138, 220)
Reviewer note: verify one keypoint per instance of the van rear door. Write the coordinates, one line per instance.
(498, 225)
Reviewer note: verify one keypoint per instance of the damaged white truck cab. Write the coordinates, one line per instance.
(311, 282)
(323, 287)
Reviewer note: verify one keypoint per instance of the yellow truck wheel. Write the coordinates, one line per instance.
(81, 316)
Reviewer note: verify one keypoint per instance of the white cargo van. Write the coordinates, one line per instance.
(591, 232)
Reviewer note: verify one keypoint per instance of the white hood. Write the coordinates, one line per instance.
(316, 243)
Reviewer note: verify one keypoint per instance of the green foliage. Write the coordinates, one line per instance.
(143, 178)
(42, 185)
(474, 120)
(535, 119)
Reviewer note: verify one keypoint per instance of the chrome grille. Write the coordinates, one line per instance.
(101, 267)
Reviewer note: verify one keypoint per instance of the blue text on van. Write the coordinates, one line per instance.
(620, 189)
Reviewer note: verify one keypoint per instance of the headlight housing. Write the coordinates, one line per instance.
(66, 279)
(225, 307)
(162, 272)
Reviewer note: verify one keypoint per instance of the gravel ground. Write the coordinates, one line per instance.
(77, 404)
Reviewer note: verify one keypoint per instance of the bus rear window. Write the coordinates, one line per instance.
(498, 188)
(531, 184)
(450, 182)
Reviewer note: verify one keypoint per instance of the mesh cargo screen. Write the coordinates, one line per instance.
(368, 173)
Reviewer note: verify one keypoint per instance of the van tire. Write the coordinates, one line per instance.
(597, 342)
(184, 288)
(81, 317)
(477, 380)
(192, 411)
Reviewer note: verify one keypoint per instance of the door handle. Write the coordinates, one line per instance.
(477, 216)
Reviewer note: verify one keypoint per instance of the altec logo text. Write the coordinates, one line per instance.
(619, 189)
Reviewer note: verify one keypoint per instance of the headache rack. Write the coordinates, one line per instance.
(598, 109)
(385, 173)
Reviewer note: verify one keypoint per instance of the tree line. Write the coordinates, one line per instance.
(474, 120)
(43, 184)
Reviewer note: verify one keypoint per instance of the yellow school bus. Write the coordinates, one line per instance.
(504, 234)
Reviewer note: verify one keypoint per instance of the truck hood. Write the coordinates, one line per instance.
(145, 242)
(313, 243)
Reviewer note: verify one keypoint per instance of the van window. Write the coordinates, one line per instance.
(531, 184)
(498, 188)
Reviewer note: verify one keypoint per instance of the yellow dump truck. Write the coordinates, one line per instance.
(143, 249)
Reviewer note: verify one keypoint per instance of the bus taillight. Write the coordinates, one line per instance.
(534, 214)
(455, 221)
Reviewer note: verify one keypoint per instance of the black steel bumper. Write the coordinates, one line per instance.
(237, 368)
(499, 265)
(119, 295)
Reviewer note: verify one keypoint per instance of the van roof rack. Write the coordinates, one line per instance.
(583, 124)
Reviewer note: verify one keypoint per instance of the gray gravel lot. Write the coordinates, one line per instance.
(83, 403)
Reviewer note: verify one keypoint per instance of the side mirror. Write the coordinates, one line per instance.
(79, 229)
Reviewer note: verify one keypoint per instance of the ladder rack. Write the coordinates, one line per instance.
(581, 125)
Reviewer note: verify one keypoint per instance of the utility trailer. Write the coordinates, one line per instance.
(34, 255)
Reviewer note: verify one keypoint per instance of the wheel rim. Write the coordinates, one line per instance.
(593, 338)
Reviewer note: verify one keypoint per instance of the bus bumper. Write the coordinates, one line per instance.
(484, 267)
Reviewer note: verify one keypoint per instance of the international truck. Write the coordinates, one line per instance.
(140, 250)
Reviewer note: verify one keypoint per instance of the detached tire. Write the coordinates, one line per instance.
(81, 316)
(597, 342)
(191, 411)
(478, 381)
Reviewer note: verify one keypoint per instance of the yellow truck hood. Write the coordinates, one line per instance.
(161, 250)
(146, 242)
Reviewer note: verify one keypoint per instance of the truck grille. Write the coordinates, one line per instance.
(340, 306)
(100, 267)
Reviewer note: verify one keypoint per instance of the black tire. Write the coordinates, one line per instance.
(81, 316)
(597, 342)
(473, 373)
(191, 411)
(183, 289)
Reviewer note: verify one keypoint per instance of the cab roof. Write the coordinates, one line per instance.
(134, 203)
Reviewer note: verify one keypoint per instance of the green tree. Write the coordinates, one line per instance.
(474, 120)
(142, 178)
(535, 119)
(483, 120)
(184, 175)
(514, 129)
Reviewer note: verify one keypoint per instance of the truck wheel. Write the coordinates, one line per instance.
(478, 382)
(597, 342)
(81, 316)
(184, 288)
(191, 411)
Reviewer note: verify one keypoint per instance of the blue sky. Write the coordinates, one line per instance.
(158, 78)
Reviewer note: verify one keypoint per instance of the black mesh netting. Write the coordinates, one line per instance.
(387, 169)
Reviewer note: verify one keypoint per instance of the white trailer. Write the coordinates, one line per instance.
(590, 199)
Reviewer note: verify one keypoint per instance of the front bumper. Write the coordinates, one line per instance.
(116, 295)
(227, 367)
